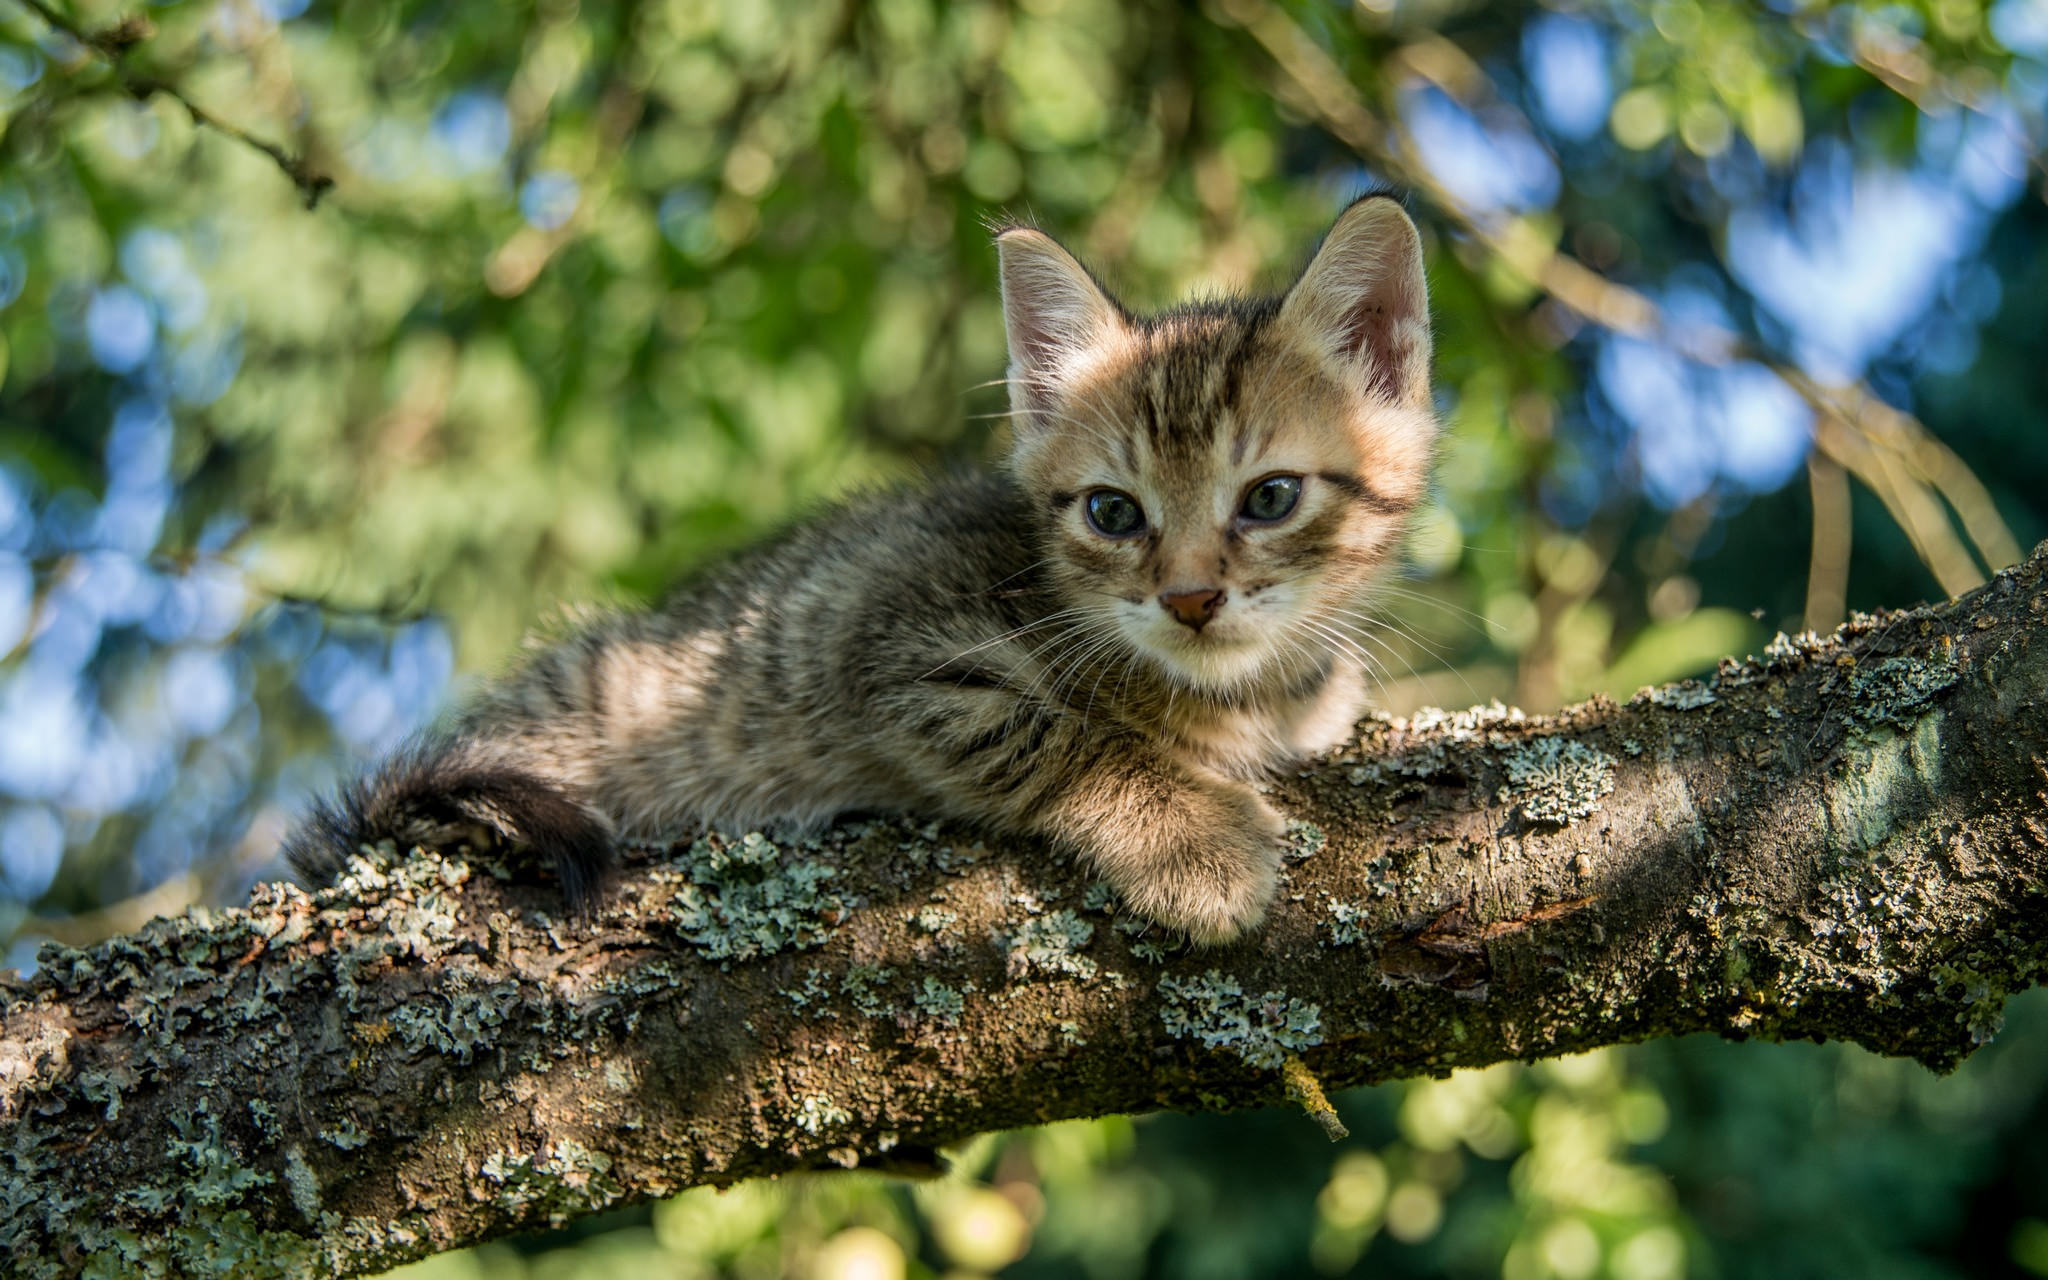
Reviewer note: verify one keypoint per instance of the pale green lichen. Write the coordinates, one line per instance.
(1098, 896)
(813, 991)
(1142, 946)
(1215, 1011)
(817, 1115)
(302, 1183)
(1787, 651)
(1686, 695)
(1349, 924)
(214, 1174)
(1051, 944)
(1889, 777)
(1470, 725)
(345, 1135)
(939, 1003)
(1983, 994)
(468, 1021)
(1556, 781)
(1304, 840)
(197, 1214)
(567, 1180)
(744, 899)
(934, 920)
(204, 1231)
(265, 1117)
(1895, 691)
(106, 1087)
(1983, 1000)
(1430, 761)
(863, 984)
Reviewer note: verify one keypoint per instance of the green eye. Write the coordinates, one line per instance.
(1272, 498)
(1114, 514)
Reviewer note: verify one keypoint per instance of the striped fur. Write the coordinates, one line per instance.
(975, 650)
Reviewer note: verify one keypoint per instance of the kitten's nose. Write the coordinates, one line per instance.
(1192, 608)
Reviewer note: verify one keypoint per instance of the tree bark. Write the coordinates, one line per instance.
(1844, 839)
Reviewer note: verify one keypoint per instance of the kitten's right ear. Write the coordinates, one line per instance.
(1053, 311)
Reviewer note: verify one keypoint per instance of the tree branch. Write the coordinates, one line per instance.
(1845, 839)
(113, 44)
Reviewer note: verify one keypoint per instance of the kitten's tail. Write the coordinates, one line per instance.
(432, 792)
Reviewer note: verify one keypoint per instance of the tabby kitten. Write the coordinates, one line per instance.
(1105, 645)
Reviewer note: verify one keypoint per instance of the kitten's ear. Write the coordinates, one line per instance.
(1362, 303)
(1053, 311)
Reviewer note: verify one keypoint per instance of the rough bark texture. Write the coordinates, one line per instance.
(1845, 839)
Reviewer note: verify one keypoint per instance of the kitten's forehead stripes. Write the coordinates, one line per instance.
(1197, 360)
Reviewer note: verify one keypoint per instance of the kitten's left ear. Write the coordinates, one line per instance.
(1363, 304)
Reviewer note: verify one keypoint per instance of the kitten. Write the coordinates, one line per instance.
(1104, 645)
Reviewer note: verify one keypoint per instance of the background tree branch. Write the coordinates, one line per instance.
(1844, 839)
(113, 43)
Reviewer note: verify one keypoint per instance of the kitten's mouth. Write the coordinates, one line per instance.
(1218, 657)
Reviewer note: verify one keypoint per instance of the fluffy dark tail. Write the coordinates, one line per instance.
(434, 792)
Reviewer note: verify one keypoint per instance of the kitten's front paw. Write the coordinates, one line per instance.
(1213, 874)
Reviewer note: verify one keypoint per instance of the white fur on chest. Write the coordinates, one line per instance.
(1254, 741)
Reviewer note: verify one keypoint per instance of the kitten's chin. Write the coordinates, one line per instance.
(1212, 664)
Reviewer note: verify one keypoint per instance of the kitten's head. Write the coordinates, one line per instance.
(1220, 482)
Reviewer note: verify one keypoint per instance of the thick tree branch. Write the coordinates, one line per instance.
(1846, 839)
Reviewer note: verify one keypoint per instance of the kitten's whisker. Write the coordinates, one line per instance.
(1371, 619)
(1338, 646)
(1346, 642)
(1098, 688)
(1007, 635)
(1101, 640)
(1412, 673)
(1068, 638)
(1384, 647)
(1341, 643)
(1379, 620)
(1423, 597)
(992, 382)
(1367, 667)
(1068, 641)
(990, 588)
(1105, 642)
(1102, 433)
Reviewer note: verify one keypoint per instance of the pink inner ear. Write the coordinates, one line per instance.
(1034, 342)
(1383, 343)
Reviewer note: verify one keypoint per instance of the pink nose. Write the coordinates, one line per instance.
(1192, 608)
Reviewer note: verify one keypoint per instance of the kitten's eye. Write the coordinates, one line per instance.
(1272, 498)
(1114, 514)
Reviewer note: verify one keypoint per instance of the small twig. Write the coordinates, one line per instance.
(112, 43)
(1304, 1088)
